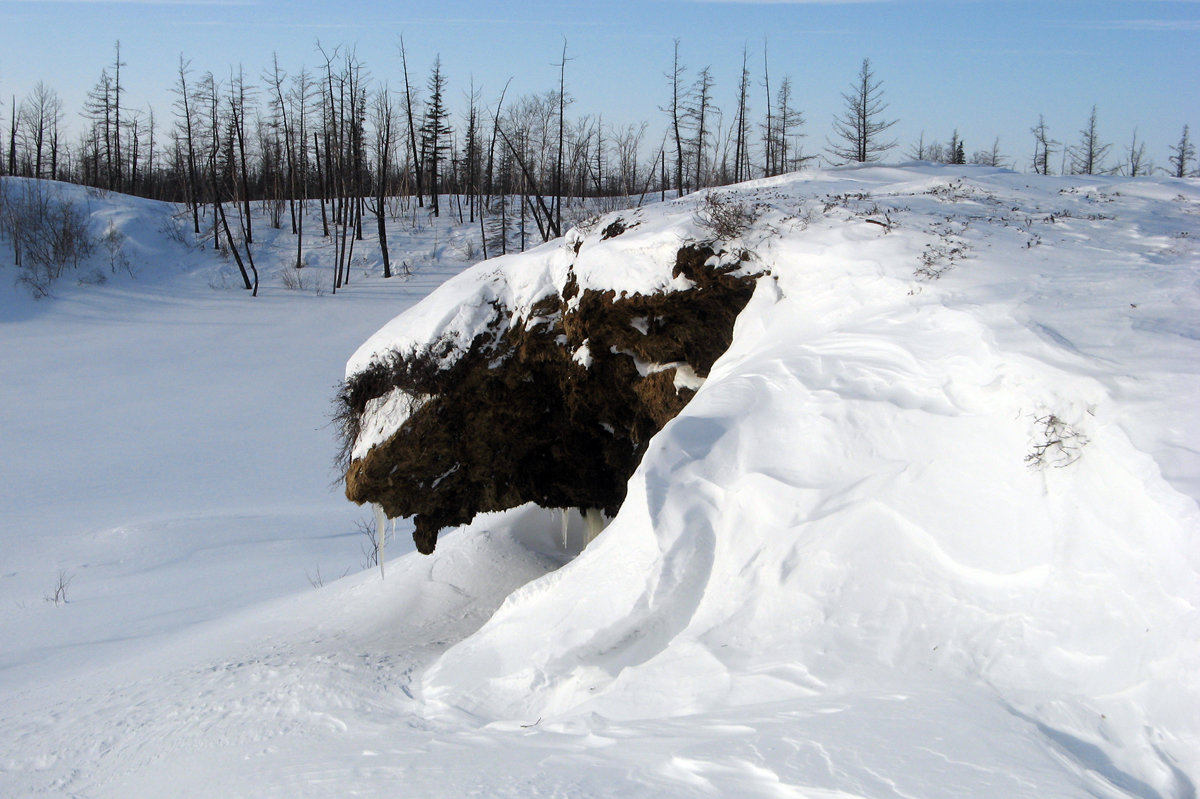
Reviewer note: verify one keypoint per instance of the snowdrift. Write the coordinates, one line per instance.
(927, 528)
(951, 452)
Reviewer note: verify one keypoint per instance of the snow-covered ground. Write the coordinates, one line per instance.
(843, 571)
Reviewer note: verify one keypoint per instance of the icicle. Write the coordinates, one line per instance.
(594, 525)
(566, 520)
(380, 529)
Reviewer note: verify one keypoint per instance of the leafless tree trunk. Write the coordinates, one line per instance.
(1042, 147)
(769, 125)
(741, 157)
(1137, 164)
(677, 101)
(383, 117)
(562, 107)
(183, 105)
(418, 167)
(699, 114)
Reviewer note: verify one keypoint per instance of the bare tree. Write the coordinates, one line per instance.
(185, 129)
(14, 123)
(491, 158)
(783, 153)
(741, 155)
(116, 101)
(136, 131)
(239, 97)
(343, 106)
(383, 117)
(1136, 163)
(919, 151)
(418, 168)
(473, 154)
(678, 101)
(698, 113)
(282, 122)
(221, 174)
(861, 124)
(1043, 145)
(628, 143)
(98, 109)
(528, 139)
(103, 109)
(769, 123)
(40, 116)
(298, 98)
(562, 107)
(992, 157)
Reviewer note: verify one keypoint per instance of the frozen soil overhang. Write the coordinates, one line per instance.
(554, 406)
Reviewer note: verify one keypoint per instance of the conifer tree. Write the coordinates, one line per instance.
(434, 129)
(956, 153)
(1087, 157)
(1182, 153)
(859, 128)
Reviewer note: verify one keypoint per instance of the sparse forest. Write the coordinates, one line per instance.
(680, 418)
(362, 145)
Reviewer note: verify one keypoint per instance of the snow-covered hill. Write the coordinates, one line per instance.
(929, 528)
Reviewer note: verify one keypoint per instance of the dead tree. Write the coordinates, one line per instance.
(383, 118)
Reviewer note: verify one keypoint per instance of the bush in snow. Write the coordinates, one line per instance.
(58, 595)
(724, 217)
(48, 233)
(1058, 444)
(113, 241)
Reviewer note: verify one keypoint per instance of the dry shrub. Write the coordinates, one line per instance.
(725, 217)
(48, 232)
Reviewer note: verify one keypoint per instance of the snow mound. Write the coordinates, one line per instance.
(953, 442)
(928, 527)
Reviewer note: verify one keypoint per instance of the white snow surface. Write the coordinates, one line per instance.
(639, 261)
(837, 572)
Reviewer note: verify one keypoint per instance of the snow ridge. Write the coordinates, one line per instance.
(853, 501)
(930, 527)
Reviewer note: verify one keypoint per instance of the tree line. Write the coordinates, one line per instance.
(357, 144)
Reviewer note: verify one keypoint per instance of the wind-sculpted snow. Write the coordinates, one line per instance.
(851, 501)
(928, 526)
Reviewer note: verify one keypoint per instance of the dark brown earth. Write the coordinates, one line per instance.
(516, 419)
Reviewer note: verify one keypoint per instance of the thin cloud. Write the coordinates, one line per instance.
(139, 2)
(792, 2)
(1161, 25)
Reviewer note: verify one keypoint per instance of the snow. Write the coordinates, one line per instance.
(384, 416)
(838, 573)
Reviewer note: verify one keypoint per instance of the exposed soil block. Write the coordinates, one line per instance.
(528, 415)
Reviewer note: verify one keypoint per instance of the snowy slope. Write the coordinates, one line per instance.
(838, 573)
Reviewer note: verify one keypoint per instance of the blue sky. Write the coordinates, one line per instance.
(986, 68)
